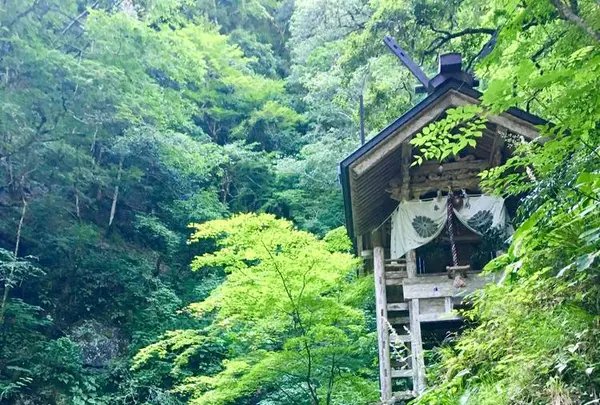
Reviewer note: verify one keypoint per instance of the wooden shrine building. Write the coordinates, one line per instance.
(393, 208)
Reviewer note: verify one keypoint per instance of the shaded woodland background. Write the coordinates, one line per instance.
(122, 122)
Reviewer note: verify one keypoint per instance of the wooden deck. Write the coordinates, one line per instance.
(439, 285)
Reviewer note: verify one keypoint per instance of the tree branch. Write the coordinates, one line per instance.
(79, 17)
(313, 392)
(331, 380)
(485, 50)
(447, 36)
(23, 14)
(289, 397)
(569, 14)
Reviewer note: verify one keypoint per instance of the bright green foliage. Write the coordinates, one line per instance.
(536, 334)
(537, 338)
(123, 121)
(117, 129)
(310, 186)
(188, 350)
(448, 136)
(421, 28)
(287, 311)
(337, 240)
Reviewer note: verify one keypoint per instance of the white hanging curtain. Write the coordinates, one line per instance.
(416, 223)
(479, 214)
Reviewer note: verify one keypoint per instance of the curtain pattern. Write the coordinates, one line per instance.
(416, 223)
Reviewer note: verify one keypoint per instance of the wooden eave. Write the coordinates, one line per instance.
(366, 173)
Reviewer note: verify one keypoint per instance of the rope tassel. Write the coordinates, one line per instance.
(450, 225)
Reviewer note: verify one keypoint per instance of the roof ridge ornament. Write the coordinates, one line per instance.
(449, 68)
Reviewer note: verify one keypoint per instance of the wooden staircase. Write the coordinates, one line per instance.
(402, 365)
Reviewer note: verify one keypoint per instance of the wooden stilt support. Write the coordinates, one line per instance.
(411, 264)
(359, 252)
(416, 344)
(383, 336)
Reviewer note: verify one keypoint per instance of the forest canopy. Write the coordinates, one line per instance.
(122, 122)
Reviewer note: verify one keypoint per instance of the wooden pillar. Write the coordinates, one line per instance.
(383, 336)
(416, 344)
(411, 263)
(359, 252)
(405, 161)
(496, 151)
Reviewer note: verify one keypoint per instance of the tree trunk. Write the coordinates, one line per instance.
(113, 207)
(331, 381)
(8, 280)
(77, 206)
(159, 261)
(225, 187)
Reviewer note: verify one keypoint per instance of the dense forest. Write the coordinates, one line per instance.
(171, 227)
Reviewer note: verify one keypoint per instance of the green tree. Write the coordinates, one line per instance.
(290, 312)
(109, 122)
(536, 334)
